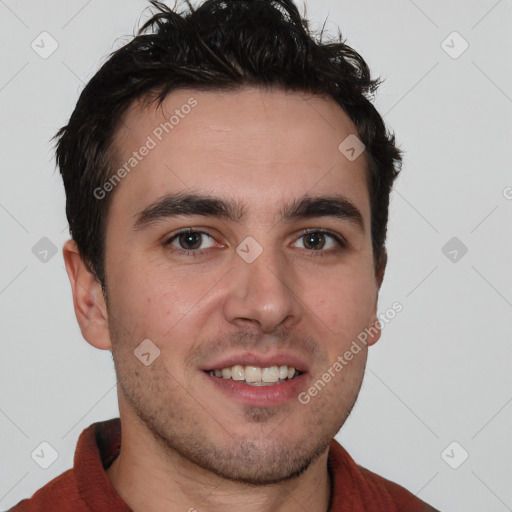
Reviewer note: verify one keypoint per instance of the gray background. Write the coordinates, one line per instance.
(441, 371)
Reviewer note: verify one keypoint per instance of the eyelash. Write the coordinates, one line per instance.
(313, 253)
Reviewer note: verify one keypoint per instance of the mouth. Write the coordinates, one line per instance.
(256, 375)
(257, 386)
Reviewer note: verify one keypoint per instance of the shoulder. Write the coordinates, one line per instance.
(84, 484)
(365, 490)
(404, 500)
(61, 493)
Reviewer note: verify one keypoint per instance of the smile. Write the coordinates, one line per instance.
(255, 375)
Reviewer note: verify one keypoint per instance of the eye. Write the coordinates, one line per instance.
(318, 241)
(189, 241)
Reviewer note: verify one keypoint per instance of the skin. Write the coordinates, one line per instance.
(185, 444)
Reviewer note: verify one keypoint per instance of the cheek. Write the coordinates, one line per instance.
(344, 304)
(154, 299)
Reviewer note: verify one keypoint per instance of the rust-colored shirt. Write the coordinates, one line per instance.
(86, 487)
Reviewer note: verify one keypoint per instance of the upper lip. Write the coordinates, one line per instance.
(263, 361)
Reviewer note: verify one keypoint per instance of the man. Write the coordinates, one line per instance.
(227, 184)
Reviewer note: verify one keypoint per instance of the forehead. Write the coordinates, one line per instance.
(258, 147)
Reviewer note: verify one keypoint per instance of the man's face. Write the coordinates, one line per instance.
(280, 297)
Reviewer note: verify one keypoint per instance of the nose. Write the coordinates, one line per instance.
(262, 292)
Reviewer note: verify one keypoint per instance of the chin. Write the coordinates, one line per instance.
(256, 464)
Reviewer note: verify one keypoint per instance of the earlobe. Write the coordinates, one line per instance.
(88, 299)
(374, 331)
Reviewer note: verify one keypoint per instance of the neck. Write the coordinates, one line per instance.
(149, 480)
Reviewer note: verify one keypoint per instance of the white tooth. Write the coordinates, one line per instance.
(291, 372)
(237, 372)
(283, 372)
(226, 373)
(270, 374)
(252, 374)
(218, 373)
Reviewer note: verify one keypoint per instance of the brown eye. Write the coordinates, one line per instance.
(322, 241)
(190, 241)
(314, 240)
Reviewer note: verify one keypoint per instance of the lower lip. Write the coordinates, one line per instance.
(260, 396)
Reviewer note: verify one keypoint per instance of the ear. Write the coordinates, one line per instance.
(88, 299)
(374, 329)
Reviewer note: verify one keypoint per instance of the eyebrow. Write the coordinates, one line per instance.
(189, 204)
